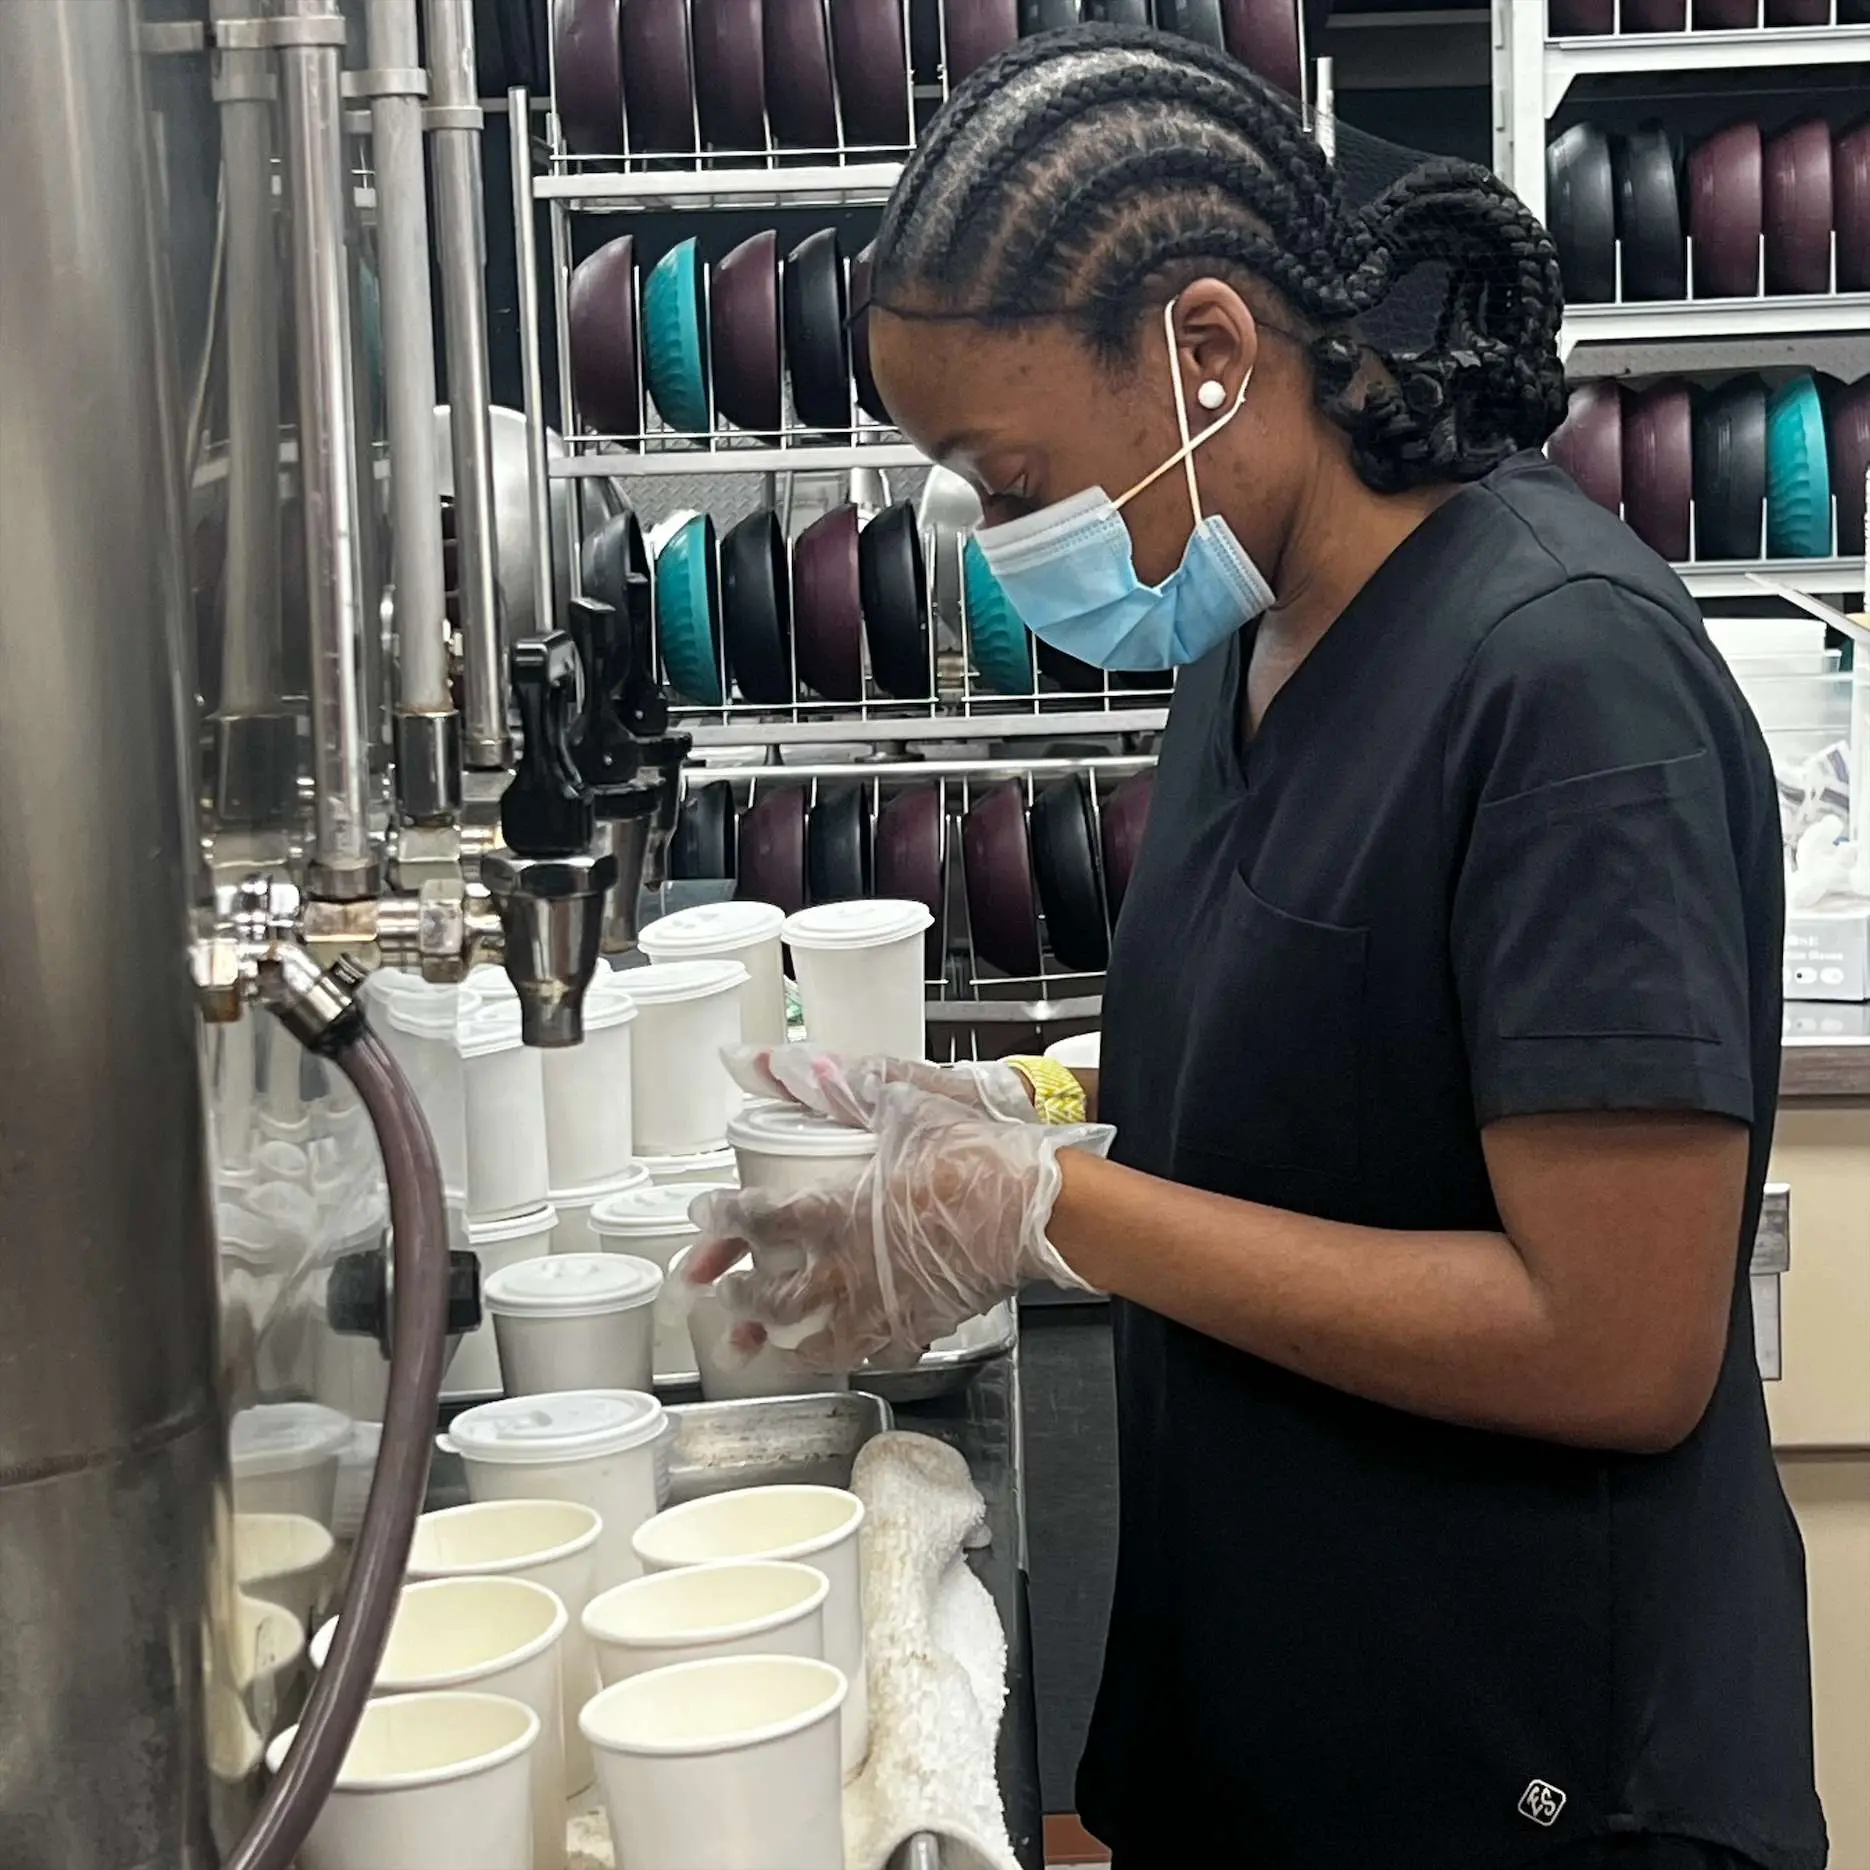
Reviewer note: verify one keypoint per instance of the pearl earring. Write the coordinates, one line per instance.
(1211, 394)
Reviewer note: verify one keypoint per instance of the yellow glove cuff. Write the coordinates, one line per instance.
(1057, 1095)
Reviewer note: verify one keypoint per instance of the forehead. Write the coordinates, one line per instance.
(941, 377)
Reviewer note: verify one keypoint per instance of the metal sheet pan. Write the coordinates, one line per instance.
(802, 1440)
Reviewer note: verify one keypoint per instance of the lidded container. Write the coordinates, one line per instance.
(652, 1223)
(576, 1205)
(285, 1459)
(687, 1014)
(420, 1027)
(747, 932)
(603, 1448)
(701, 1168)
(506, 1146)
(786, 1150)
(859, 968)
(474, 1369)
(587, 1092)
(575, 1321)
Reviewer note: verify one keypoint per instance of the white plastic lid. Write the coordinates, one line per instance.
(573, 1285)
(663, 983)
(786, 1130)
(655, 1210)
(709, 928)
(707, 1165)
(492, 984)
(635, 1176)
(282, 1438)
(491, 1029)
(873, 924)
(430, 1011)
(539, 1220)
(1081, 1048)
(570, 1425)
(606, 1005)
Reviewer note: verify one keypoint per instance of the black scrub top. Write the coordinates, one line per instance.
(1506, 842)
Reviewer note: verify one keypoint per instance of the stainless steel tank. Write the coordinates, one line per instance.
(113, 1580)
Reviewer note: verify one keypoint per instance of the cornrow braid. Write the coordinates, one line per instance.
(1092, 173)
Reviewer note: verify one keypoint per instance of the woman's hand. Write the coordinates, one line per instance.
(848, 1088)
(946, 1221)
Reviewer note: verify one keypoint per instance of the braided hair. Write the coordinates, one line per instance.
(1090, 173)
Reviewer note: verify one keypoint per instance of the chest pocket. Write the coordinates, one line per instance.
(1271, 1080)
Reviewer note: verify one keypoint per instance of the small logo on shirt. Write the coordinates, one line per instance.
(1541, 1803)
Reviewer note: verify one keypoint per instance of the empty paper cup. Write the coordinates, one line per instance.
(285, 1459)
(581, 1321)
(739, 1607)
(265, 1645)
(474, 1370)
(548, 1542)
(497, 1636)
(284, 1559)
(587, 1093)
(687, 1013)
(816, 1526)
(701, 1168)
(506, 1147)
(602, 1447)
(575, 1206)
(652, 1223)
(747, 932)
(785, 1150)
(429, 1779)
(859, 967)
(727, 1373)
(729, 1764)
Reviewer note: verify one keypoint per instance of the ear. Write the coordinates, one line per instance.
(1217, 341)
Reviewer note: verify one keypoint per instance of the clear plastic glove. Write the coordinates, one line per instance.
(947, 1220)
(848, 1088)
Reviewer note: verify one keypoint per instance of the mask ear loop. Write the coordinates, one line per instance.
(1184, 456)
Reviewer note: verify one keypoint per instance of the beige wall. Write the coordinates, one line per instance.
(1820, 1413)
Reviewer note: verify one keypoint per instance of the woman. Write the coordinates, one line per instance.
(1441, 1033)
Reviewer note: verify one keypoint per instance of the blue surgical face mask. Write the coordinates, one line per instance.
(1069, 571)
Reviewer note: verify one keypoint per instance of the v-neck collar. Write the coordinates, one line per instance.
(1338, 641)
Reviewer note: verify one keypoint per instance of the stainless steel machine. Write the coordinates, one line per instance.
(256, 740)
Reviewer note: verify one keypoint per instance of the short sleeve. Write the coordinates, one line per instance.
(1598, 915)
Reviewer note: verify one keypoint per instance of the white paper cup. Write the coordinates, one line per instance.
(728, 1764)
(497, 1636)
(421, 1025)
(652, 1223)
(588, 1135)
(1079, 1049)
(285, 1459)
(266, 1644)
(738, 1607)
(687, 1013)
(574, 1232)
(701, 1168)
(474, 1370)
(816, 1526)
(548, 1542)
(604, 1448)
(429, 1779)
(786, 1150)
(729, 1374)
(859, 967)
(506, 1144)
(582, 1321)
(747, 932)
(284, 1559)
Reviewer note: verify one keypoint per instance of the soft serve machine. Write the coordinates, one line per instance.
(255, 707)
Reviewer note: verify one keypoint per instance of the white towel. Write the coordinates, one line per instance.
(936, 1664)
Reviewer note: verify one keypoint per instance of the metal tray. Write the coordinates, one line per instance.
(804, 1440)
(947, 1368)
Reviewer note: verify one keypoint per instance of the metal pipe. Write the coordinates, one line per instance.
(112, 1458)
(461, 249)
(532, 386)
(424, 701)
(343, 866)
